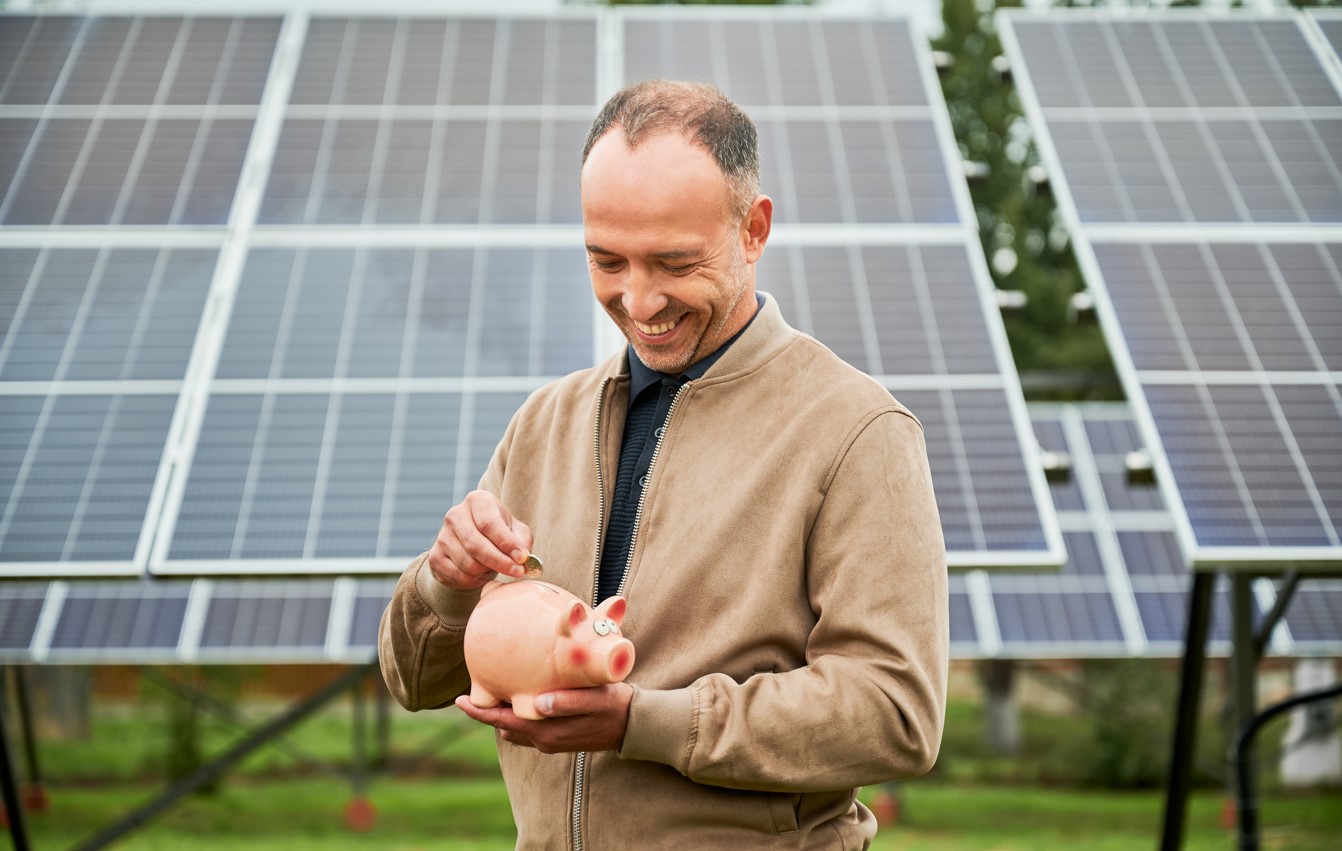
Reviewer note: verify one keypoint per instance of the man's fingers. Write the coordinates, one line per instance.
(501, 547)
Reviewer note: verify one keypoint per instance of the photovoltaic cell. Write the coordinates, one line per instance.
(369, 604)
(1034, 616)
(133, 616)
(782, 63)
(20, 607)
(924, 310)
(963, 632)
(1162, 121)
(1315, 612)
(1190, 64)
(458, 62)
(100, 314)
(284, 477)
(342, 171)
(76, 473)
(1248, 476)
(115, 171)
(1332, 31)
(384, 313)
(977, 469)
(259, 615)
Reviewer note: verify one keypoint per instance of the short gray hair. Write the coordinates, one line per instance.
(700, 112)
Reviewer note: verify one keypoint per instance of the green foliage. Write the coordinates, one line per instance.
(1129, 711)
(1023, 236)
(183, 697)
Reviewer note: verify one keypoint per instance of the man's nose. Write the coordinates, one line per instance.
(642, 299)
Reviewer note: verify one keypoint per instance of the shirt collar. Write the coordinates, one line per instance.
(641, 376)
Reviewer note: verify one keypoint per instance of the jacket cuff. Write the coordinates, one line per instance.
(661, 724)
(452, 607)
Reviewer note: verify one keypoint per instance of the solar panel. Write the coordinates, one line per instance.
(1191, 120)
(1226, 332)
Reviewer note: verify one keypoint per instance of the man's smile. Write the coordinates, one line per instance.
(655, 330)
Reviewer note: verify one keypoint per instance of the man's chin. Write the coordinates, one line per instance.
(670, 363)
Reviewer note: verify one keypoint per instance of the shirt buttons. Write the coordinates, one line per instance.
(660, 431)
(643, 482)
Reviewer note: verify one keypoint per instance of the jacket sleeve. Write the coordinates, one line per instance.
(869, 704)
(419, 644)
(420, 637)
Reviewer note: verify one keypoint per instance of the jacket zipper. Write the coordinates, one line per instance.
(580, 766)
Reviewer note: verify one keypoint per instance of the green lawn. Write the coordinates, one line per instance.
(443, 792)
(416, 815)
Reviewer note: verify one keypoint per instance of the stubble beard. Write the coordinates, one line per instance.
(717, 331)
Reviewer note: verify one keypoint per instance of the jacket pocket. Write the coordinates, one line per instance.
(783, 811)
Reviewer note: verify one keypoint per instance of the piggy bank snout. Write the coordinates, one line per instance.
(613, 660)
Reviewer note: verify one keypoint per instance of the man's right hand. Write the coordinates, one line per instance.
(479, 538)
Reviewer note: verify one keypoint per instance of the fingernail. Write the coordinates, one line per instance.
(519, 556)
(545, 703)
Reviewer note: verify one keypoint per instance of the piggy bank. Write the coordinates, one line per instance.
(529, 637)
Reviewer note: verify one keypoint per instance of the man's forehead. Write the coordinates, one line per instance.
(614, 144)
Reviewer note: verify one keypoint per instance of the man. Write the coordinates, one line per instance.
(766, 509)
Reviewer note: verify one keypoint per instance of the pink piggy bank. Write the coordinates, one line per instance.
(529, 637)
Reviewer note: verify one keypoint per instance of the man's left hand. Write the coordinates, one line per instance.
(580, 719)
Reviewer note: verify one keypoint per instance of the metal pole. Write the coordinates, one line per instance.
(1186, 720)
(1285, 591)
(36, 794)
(1248, 810)
(207, 773)
(9, 788)
(383, 707)
(359, 771)
(1244, 670)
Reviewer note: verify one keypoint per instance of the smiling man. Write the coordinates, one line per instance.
(766, 509)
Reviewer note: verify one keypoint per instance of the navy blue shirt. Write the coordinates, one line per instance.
(650, 396)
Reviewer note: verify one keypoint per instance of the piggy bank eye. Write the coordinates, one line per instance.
(602, 627)
(614, 627)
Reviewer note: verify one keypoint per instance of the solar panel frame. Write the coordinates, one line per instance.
(1088, 236)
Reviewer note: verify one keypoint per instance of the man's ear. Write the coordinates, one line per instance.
(755, 227)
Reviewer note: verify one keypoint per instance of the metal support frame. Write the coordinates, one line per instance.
(1285, 591)
(1186, 720)
(9, 787)
(1248, 801)
(36, 796)
(1247, 649)
(220, 765)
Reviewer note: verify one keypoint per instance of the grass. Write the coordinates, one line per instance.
(443, 791)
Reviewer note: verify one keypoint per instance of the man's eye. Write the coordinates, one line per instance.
(679, 270)
(606, 265)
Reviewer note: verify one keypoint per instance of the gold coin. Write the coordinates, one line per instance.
(533, 567)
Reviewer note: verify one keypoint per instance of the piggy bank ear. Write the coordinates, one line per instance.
(612, 608)
(570, 618)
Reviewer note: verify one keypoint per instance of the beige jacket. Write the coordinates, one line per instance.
(787, 599)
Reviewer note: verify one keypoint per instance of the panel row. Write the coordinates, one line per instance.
(1200, 64)
(134, 61)
(1077, 613)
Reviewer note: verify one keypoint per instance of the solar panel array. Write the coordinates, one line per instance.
(1196, 160)
(258, 326)
(1121, 593)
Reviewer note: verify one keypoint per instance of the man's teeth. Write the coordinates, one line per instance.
(655, 330)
